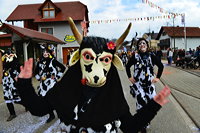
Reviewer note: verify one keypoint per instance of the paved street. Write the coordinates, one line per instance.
(180, 115)
(185, 89)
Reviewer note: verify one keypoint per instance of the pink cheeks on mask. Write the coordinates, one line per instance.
(88, 56)
(106, 59)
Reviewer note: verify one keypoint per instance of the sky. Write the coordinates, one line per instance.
(125, 11)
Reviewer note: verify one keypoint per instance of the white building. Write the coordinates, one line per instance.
(51, 17)
(173, 37)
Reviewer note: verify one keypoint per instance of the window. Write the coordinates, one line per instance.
(164, 33)
(51, 14)
(47, 30)
(48, 11)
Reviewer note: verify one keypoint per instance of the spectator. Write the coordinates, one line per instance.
(197, 53)
(170, 54)
(159, 53)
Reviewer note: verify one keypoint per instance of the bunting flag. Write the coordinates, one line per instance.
(168, 15)
(152, 5)
(131, 19)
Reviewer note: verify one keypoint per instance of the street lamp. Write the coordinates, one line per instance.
(183, 22)
(173, 30)
(185, 35)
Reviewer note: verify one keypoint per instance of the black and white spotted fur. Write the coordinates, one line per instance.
(48, 71)
(112, 127)
(10, 72)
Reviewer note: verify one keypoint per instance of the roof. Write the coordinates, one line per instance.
(75, 9)
(30, 34)
(5, 44)
(46, 1)
(5, 35)
(153, 35)
(179, 31)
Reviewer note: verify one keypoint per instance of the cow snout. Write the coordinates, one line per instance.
(95, 81)
(96, 78)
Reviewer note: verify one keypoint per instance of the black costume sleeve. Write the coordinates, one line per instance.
(55, 97)
(60, 66)
(132, 124)
(37, 68)
(159, 64)
(129, 64)
(35, 104)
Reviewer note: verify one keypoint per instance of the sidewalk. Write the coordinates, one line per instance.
(181, 80)
(168, 119)
(185, 89)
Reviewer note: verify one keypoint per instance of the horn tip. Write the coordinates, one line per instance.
(69, 19)
(130, 24)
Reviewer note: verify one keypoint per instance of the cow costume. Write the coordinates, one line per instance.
(89, 97)
(143, 89)
(48, 71)
(11, 70)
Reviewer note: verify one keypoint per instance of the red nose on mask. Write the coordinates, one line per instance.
(83, 81)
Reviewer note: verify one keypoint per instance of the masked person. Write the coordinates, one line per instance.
(143, 77)
(89, 97)
(11, 70)
(48, 71)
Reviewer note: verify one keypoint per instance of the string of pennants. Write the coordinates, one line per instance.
(152, 5)
(168, 15)
(131, 19)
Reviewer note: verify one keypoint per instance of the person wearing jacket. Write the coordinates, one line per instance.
(143, 77)
(89, 97)
(11, 69)
(48, 71)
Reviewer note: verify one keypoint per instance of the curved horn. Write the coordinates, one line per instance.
(75, 31)
(123, 36)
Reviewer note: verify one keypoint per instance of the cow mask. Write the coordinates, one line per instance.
(48, 50)
(96, 55)
(8, 56)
